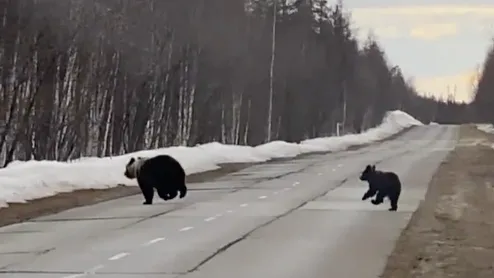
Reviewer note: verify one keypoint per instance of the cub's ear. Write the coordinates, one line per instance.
(140, 158)
(373, 167)
(132, 160)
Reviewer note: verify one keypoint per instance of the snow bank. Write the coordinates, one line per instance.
(23, 181)
(485, 128)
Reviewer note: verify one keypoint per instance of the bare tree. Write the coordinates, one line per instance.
(101, 78)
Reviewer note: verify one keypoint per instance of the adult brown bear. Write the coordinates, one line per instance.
(162, 172)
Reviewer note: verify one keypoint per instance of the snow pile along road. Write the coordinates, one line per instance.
(485, 128)
(23, 181)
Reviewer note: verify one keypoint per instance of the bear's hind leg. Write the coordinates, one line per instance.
(183, 190)
(393, 198)
(172, 194)
(165, 195)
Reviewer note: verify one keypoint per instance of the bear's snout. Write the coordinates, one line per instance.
(128, 175)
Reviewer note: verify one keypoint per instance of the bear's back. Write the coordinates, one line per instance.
(386, 180)
(163, 167)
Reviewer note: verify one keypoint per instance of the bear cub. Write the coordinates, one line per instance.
(384, 184)
(162, 172)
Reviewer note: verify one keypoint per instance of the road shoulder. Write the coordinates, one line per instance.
(450, 235)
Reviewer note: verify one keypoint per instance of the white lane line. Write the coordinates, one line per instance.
(218, 215)
(230, 211)
(319, 174)
(118, 256)
(295, 184)
(186, 229)
(154, 241)
(94, 269)
(243, 205)
(340, 165)
(263, 197)
(334, 170)
(89, 271)
(276, 193)
(76, 275)
(210, 219)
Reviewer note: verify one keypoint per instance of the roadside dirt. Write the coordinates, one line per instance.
(452, 232)
(19, 212)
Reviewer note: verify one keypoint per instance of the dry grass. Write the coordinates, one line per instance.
(451, 234)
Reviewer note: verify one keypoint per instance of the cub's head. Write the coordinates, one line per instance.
(368, 172)
(133, 166)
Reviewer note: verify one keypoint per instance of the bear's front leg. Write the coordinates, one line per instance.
(371, 192)
(379, 198)
(148, 195)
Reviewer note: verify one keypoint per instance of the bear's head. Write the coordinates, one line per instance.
(368, 172)
(133, 166)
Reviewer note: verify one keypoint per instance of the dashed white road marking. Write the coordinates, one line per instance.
(154, 241)
(340, 165)
(89, 271)
(76, 275)
(94, 269)
(334, 170)
(118, 256)
(319, 174)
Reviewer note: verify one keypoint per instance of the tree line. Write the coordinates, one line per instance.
(106, 77)
(481, 108)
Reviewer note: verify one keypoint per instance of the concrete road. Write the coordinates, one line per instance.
(297, 218)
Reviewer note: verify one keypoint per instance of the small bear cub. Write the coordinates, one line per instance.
(384, 184)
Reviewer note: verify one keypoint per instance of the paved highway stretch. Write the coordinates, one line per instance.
(297, 218)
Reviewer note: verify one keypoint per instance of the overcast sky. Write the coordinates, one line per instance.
(437, 42)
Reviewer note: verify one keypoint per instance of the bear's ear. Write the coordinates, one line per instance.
(373, 167)
(140, 158)
(132, 160)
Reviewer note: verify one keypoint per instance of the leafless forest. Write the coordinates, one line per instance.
(483, 102)
(104, 77)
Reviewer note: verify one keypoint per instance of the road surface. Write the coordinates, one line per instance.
(297, 218)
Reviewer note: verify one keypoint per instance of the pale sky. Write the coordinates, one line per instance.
(435, 42)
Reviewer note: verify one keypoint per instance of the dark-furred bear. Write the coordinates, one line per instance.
(162, 172)
(384, 184)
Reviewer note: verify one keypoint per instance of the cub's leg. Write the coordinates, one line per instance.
(379, 198)
(371, 192)
(394, 200)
